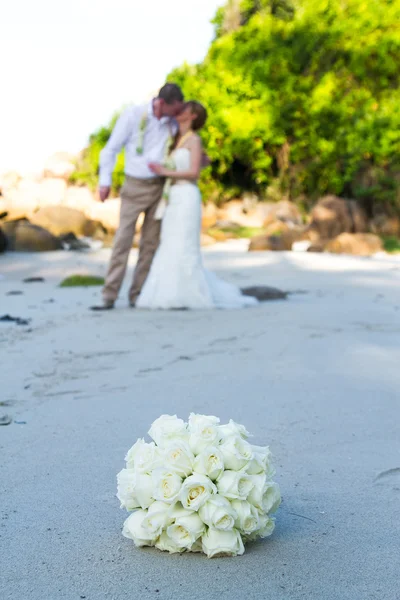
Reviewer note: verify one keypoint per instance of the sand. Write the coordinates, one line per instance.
(316, 377)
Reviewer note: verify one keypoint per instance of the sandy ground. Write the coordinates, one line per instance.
(316, 377)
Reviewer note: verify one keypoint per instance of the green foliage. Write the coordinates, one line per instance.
(391, 244)
(82, 281)
(235, 232)
(303, 97)
(309, 102)
(88, 164)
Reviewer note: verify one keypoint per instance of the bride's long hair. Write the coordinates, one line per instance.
(201, 117)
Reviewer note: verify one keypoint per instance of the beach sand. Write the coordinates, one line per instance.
(316, 377)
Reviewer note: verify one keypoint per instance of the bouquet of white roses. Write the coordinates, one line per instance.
(199, 486)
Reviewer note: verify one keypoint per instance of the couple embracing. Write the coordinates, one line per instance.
(163, 160)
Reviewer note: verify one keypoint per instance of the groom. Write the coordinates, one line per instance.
(144, 131)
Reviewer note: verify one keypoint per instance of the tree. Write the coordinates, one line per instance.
(303, 99)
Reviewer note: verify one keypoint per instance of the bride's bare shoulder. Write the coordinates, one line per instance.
(194, 140)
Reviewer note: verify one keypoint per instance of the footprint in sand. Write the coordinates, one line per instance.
(389, 478)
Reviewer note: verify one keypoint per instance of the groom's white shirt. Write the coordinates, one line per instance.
(126, 134)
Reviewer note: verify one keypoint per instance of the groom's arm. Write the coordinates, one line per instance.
(118, 139)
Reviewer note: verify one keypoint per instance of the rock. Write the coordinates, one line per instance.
(209, 216)
(264, 293)
(259, 243)
(60, 220)
(284, 211)
(317, 245)
(17, 320)
(276, 243)
(80, 198)
(359, 244)
(24, 237)
(244, 215)
(276, 228)
(51, 192)
(3, 241)
(5, 420)
(333, 216)
(71, 242)
(9, 181)
(34, 280)
(60, 165)
(23, 200)
(220, 235)
(221, 224)
(386, 225)
(107, 213)
(207, 240)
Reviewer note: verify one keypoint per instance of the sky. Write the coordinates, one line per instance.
(67, 66)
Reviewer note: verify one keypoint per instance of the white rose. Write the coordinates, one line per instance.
(209, 462)
(157, 518)
(236, 452)
(143, 457)
(247, 520)
(134, 530)
(234, 485)
(222, 543)
(126, 489)
(267, 526)
(186, 530)
(167, 428)
(271, 498)
(178, 457)
(134, 489)
(166, 544)
(197, 546)
(218, 513)
(167, 485)
(197, 422)
(261, 462)
(196, 490)
(203, 432)
(234, 429)
(265, 495)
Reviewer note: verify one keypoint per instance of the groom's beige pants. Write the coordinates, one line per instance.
(137, 196)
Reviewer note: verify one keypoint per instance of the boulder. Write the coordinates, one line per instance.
(332, 216)
(9, 181)
(3, 241)
(209, 216)
(264, 293)
(22, 200)
(284, 211)
(386, 225)
(244, 215)
(22, 236)
(278, 242)
(318, 245)
(207, 240)
(359, 244)
(60, 220)
(51, 192)
(60, 165)
(276, 228)
(80, 198)
(107, 213)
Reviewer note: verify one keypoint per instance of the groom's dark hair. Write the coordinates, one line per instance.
(170, 93)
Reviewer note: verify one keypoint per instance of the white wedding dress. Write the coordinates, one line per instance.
(177, 278)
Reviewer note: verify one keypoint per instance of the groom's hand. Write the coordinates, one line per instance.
(205, 160)
(104, 192)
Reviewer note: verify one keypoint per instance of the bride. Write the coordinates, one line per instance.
(177, 278)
